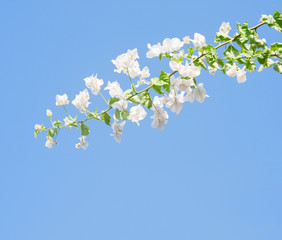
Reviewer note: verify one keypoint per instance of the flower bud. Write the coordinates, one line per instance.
(49, 113)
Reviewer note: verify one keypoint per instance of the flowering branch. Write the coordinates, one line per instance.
(171, 92)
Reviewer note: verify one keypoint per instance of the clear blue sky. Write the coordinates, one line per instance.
(213, 173)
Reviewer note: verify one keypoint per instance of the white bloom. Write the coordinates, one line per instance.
(154, 51)
(260, 68)
(49, 113)
(188, 70)
(186, 40)
(159, 119)
(190, 96)
(37, 127)
(49, 142)
(175, 66)
(115, 90)
(174, 101)
(199, 40)
(232, 71)
(224, 28)
(137, 113)
(200, 93)
(241, 76)
(67, 122)
(157, 102)
(117, 128)
(184, 84)
(94, 84)
(212, 70)
(81, 101)
(83, 143)
(62, 100)
(121, 105)
(241, 73)
(145, 72)
(126, 63)
(171, 45)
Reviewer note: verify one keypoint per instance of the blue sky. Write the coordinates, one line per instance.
(213, 173)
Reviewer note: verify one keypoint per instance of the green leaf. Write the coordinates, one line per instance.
(231, 52)
(244, 31)
(274, 21)
(221, 38)
(57, 123)
(158, 89)
(278, 67)
(121, 115)
(146, 99)
(106, 118)
(84, 129)
(51, 133)
(160, 56)
(250, 65)
(128, 92)
(113, 100)
(164, 77)
(73, 124)
(135, 99)
(278, 18)
(275, 46)
(94, 115)
(262, 57)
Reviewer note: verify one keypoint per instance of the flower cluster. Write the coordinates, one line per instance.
(172, 89)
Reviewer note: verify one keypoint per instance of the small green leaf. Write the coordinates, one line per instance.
(164, 77)
(94, 115)
(221, 38)
(275, 46)
(158, 89)
(57, 123)
(121, 115)
(51, 133)
(106, 118)
(231, 52)
(113, 100)
(146, 99)
(262, 57)
(278, 67)
(128, 92)
(158, 82)
(135, 99)
(84, 129)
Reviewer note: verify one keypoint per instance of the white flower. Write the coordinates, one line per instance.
(117, 128)
(171, 45)
(154, 51)
(184, 84)
(186, 40)
(159, 119)
(121, 105)
(241, 73)
(224, 28)
(94, 84)
(62, 100)
(175, 66)
(232, 71)
(190, 96)
(83, 143)
(174, 101)
(49, 113)
(188, 70)
(37, 127)
(67, 122)
(115, 90)
(260, 68)
(157, 102)
(200, 93)
(126, 63)
(81, 101)
(137, 113)
(212, 70)
(49, 142)
(241, 76)
(199, 40)
(145, 72)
